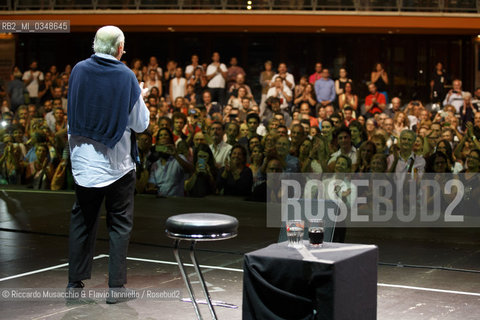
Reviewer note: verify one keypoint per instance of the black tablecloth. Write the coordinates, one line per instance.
(337, 281)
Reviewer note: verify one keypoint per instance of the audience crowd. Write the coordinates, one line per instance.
(209, 134)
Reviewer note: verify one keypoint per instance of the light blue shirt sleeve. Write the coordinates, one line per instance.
(139, 117)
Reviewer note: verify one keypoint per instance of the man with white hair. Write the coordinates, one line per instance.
(406, 161)
(454, 97)
(105, 108)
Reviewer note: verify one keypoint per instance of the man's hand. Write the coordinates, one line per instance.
(143, 90)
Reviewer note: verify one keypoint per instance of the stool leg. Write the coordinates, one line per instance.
(185, 279)
(202, 281)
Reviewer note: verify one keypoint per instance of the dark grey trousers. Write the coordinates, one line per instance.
(84, 224)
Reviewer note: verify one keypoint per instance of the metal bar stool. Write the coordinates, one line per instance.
(199, 227)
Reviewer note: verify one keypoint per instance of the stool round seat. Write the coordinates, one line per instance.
(201, 226)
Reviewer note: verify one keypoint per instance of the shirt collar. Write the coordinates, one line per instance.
(105, 56)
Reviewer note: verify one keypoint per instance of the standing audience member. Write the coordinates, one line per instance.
(379, 78)
(265, 78)
(178, 85)
(216, 76)
(32, 79)
(455, 95)
(325, 89)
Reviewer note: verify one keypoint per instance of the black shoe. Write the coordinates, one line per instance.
(120, 294)
(74, 290)
(75, 285)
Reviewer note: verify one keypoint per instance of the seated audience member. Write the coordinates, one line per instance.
(243, 130)
(306, 111)
(304, 154)
(235, 178)
(339, 186)
(421, 147)
(253, 121)
(307, 96)
(240, 82)
(375, 102)
(179, 121)
(406, 161)
(144, 143)
(283, 151)
(437, 163)
(327, 132)
(19, 139)
(379, 163)
(236, 101)
(468, 143)
(203, 180)
(400, 123)
(268, 143)
(167, 174)
(220, 148)
(198, 138)
(446, 148)
(370, 127)
(11, 164)
(273, 109)
(232, 132)
(319, 154)
(39, 173)
(297, 136)
(337, 121)
(273, 164)
(211, 107)
(345, 147)
(348, 115)
(256, 163)
(358, 133)
(252, 142)
(364, 155)
(314, 131)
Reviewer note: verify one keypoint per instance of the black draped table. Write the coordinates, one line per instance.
(337, 281)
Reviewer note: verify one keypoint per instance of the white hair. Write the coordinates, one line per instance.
(107, 40)
(467, 95)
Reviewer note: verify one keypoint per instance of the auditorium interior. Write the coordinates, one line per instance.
(422, 272)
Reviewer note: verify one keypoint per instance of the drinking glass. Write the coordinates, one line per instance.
(295, 230)
(315, 232)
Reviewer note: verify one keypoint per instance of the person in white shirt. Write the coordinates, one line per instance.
(220, 149)
(286, 77)
(103, 156)
(178, 85)
(216, 76)
(454, 97)
(32, 79)
(406, 161)
(344, 140)
(190, 69)
(282, 92)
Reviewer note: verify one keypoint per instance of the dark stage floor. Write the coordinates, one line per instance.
(423, 273)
